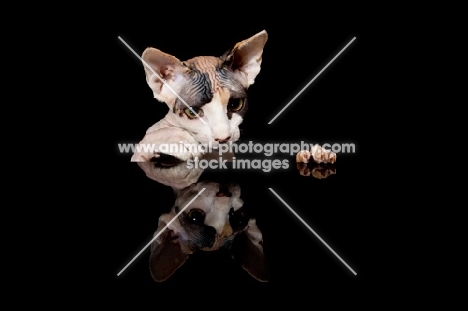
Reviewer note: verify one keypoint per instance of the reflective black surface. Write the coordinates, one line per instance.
(336, 201)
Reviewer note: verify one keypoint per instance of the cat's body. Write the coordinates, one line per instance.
(206, 96)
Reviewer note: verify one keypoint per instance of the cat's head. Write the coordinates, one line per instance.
(206, 95)
(216, 219)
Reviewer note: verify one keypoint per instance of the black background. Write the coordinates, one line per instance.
(346, 209)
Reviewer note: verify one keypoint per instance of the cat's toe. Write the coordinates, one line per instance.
(321, 155)
(303, 156)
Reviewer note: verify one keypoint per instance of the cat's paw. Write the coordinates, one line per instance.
(165, 143)
(321, 155)
(316, 153)
(303, 156)
(319, 171)
(177, 176)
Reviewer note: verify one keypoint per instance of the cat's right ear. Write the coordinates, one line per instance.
(163, 73)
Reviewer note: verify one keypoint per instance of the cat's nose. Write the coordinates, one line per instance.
(224, 140)
(223, 192)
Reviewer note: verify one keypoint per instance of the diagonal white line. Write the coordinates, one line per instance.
(308, 227)
(162, 230)
(303, 89)
(167, 85)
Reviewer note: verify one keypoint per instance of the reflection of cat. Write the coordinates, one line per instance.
(216, 219)
(211, 97)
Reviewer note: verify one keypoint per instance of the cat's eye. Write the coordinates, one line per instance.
(193, 112)
(235, 104)
(196, 216)
(238, 219)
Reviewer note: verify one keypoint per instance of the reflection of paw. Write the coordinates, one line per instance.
(303, 168)
(319, 171)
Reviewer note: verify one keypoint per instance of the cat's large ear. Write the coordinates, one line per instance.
(245, 58)
(167, 254)
(163, 73)
(247, 250)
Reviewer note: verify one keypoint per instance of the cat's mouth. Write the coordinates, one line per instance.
(215, 144)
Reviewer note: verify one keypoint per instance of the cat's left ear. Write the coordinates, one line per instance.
(247, 250)
(245, 58)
